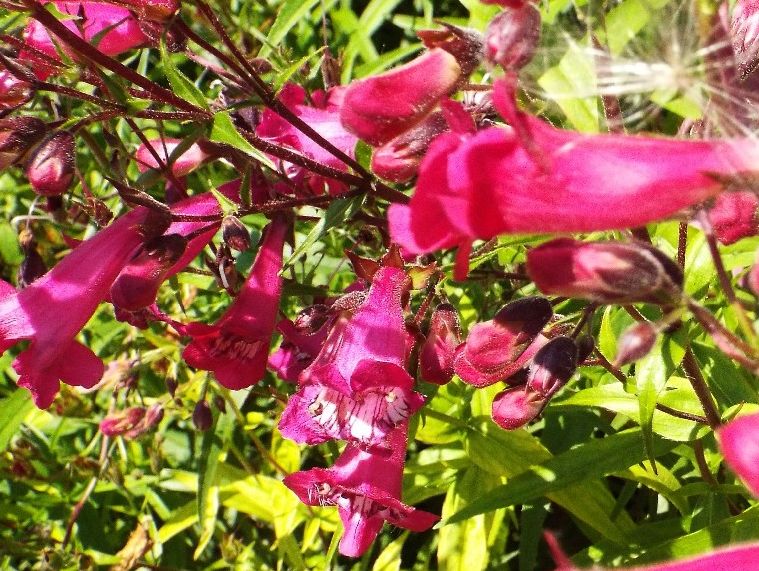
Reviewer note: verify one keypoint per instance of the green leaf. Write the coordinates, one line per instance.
(10, 251)
(180, 84)
(337, 213)
(224, 131)
(288, 15)
(390, 558)
(593, 459)
(13, 411)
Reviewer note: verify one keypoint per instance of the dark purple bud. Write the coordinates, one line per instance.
(512, 36)
(220, 404)
(312, 318)
(464, 44)
(552, 366)
(744, 32)
(202, 417)
(585, 346)
(635, 343)
(51, 167)
(605, 272)
(17, 136)
(515, 407)
(436, 354)
(235, 234)
(32, 266)
(171, 386)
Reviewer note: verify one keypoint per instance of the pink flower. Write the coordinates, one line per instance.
(436, 354)
(123, 33)
(739, 442)
(605, 272)
(236, 347)
(357, 388)
(183, 165)
(496, 349)
(381, 107)
(324, 117)
(366, 488)
(733, 216)
(534, 178)
(54, 308)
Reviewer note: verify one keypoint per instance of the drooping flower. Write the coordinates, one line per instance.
(534, 178)
(436, 354)
(739, 442)
(115, 29)
(606, 272)
(52, 310)
(366, 488)
(383, 106)
(357, 388)
(236, 347)
(496, 349)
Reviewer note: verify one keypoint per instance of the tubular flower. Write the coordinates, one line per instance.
(52, 310)
(357, 388)
(740, 446)
(436, 354)
(534, 178)
(381, 107)
(324, 117)
(496, 349)
(606, 272)
(236, 347)
(366, 488)
(121, 32)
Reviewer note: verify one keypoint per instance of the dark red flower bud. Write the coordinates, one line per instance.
(202, 417)
(17, 136)
(13, 91)
(733, 216)
(635, 343)
(496, 349)
(585, 346)
(122, 422)
(436, 354)
(154, 10)
(512, 36)
(464, 44)
(51, 168)
(606, 272)
(137, 284)
(31, 268)
(235, 234)
(552, 366)
(171, 386)
(515, 407)
(744, 32)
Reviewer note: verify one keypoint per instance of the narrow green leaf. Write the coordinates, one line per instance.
(390, 558)
(180, 84)
(224, 131)
(288, 15)
(13, 411)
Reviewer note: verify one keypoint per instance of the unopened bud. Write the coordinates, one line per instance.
(122, 422)
(312, 318)
(220, 404)
(462, 43)
(744, 33)
(171, 386)
(17, 136)
(585, 346)
(512, 36)
(733, 216)
(13, 91)
(51, 168)
(235, 234)
(605, 272)
(515, 407)
(202, 417)
(436, 355)
(155, 10)
(137, 284)
(635, 343)
(32, 267)
(552, 366)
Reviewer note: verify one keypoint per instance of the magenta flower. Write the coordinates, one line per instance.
(512, 37)
(605, 272)
(381, 107)
(324, 117)
(496, 349)
(54, 308)
(122, 33)
(733, 216)
(301, 343)
(366, 488)
(184, 164)
(436, 354)
(357, 388)
(739, 442)
(533, 178)
(236, 347)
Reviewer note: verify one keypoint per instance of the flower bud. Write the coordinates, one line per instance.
(436, 354)
(744, 32)
(13, 91)
(635, 343)
(496, 349)
(398, 160)
(464, 44)
(585, 346)
(122, 422)
(202, 417)
(171, 386)
(605, 272)
(137, 284)
(153, 10)
(515, 407)
(17, 136)
(512, 36)
(51, 168)
(235, 234)
(379, 108)
(182, 165)
(552, 366)
(31, 268)
(733, 216)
